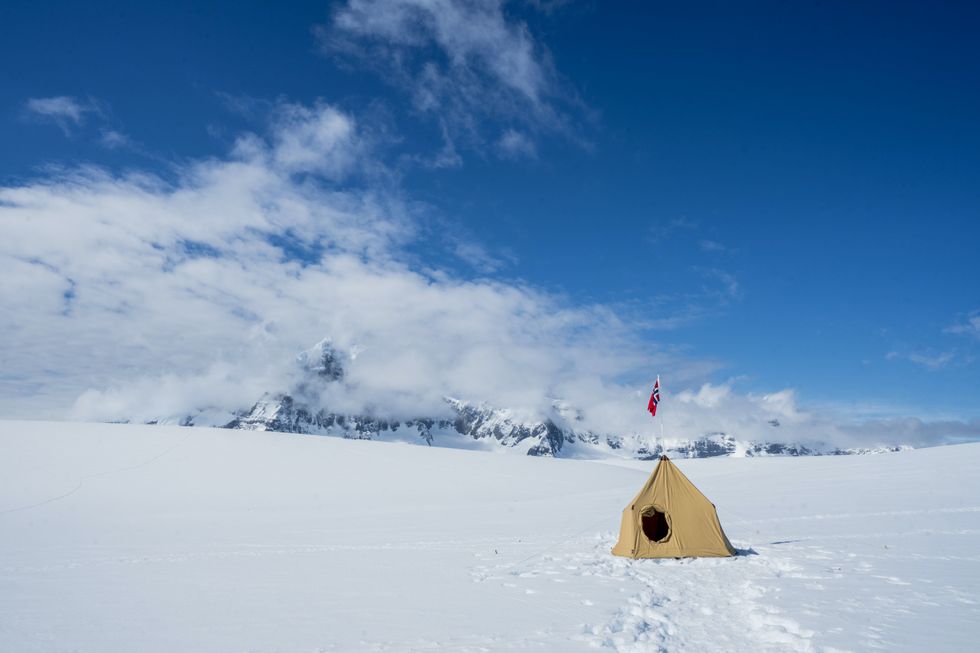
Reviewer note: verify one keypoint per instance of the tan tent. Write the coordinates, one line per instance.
(670, 518)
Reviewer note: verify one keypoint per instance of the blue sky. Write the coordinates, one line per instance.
(780, 196)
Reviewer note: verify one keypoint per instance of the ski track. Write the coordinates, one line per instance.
(692, 604)
(732, 604)
(685, 604)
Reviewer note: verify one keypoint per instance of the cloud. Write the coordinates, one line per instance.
(723, 286)
(478, 257)
(662, 230)
(714, 291)
(711, 246)
(463, 62)
(447, 156)
(516, 145)
(315, 139)
(779, 417)
(913, 431)
(73, 115)
(130, 296)
(112, 139)
(472, 35)
(929, 360)
(142, 295)
(970, 326)
(62, 110)
(719, 408)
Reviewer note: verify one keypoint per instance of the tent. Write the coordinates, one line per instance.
(670, 518)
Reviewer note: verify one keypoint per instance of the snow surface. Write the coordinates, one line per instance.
(156, 538)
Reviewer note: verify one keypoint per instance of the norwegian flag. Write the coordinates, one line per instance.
(654, 398)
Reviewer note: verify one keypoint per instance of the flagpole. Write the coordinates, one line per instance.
(661, 414)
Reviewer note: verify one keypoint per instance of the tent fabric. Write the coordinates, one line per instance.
(693, 529)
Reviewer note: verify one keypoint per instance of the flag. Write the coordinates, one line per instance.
(654, 398)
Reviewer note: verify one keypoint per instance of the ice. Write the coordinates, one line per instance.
(162, 538)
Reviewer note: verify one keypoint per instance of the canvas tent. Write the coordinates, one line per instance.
(670, 518)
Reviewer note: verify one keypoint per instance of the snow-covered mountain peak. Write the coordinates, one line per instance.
(556, 430)
(324, 360)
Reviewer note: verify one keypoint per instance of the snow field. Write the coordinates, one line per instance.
(121, 538)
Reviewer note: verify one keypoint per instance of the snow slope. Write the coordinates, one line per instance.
(154, 538)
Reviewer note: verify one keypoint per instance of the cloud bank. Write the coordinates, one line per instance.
(162, 296)
(131, 296)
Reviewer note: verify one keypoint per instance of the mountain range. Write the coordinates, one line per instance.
(466, 424)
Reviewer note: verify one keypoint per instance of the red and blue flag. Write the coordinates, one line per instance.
(654, 398)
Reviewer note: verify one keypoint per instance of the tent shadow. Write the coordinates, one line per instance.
(746, 552)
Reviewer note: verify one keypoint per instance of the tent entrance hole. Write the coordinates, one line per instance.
(655, 525)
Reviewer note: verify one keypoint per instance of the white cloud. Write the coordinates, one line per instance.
(129, 296)
(516, 145)
(970, 326)
(913, 431)
(662, 230)
(61, 107)
(144, 295)
(709, 396)
(929, 360)
(711, 245)
(63, 110)
(471, 34)
(315, 139)
(477, 256)
(462, 61)
(720, 408)
(112, 139)
(723, 285)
